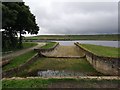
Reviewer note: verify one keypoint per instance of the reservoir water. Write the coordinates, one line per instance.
(102, 43)
(95, 42)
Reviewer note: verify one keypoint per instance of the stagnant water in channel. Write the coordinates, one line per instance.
(61, 73)
(51, 73)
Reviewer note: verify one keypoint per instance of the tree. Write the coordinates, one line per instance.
(17, 18)
(25, 22)
(8, 21)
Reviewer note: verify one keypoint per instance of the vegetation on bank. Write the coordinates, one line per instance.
(25, 45)
(59, 83)
(49, 45)
(62, 64)
(102, 50)
(28, 45)
(75, 37)
(19, 60)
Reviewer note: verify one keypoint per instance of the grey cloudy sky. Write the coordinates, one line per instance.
(75, 17)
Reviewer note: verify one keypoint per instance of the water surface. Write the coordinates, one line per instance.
(103, 43)
(52, 73)
(95, 42)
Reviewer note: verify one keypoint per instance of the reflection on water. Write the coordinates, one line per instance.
(51, 73)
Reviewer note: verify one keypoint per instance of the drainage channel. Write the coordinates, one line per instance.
(62, 67)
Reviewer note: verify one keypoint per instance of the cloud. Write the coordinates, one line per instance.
(75, 17)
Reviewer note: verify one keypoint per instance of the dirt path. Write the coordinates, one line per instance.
(65, 51)
(17, 53)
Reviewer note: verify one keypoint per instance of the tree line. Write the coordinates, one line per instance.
(16, 18)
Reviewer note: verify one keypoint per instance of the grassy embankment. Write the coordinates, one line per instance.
(28, 45)
(25, 45)
(22, 58)
(102, 50)
(59, 83)
(75, 37)
(19, 60)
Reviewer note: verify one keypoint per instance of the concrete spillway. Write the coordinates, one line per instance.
(65, 51)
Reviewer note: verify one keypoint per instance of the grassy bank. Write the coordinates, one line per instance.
(28, 45)
(19, 60)
(60, 83)
(25, 45)
(49, 45)
(102, 50)
(76, 37)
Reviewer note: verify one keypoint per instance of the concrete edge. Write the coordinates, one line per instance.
(80, 77)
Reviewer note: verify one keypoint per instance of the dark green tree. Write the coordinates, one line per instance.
(25, 22)
(17, 18)
(8, 21)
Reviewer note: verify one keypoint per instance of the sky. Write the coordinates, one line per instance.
(74, 17)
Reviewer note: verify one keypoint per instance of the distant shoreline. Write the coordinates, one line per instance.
(109, 37)
(66, 40)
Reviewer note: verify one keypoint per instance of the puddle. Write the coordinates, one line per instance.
(51, 73)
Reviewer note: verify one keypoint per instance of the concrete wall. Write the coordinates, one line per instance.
(46, 50)
(105, 65)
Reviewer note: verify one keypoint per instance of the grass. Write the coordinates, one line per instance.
(75, 65)
(48, 45)
(62, 64)
(59, 83)
(19, 60)
(102, 50)
(25, 45)
(76, 37)
(27, 83)
(28, 45)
